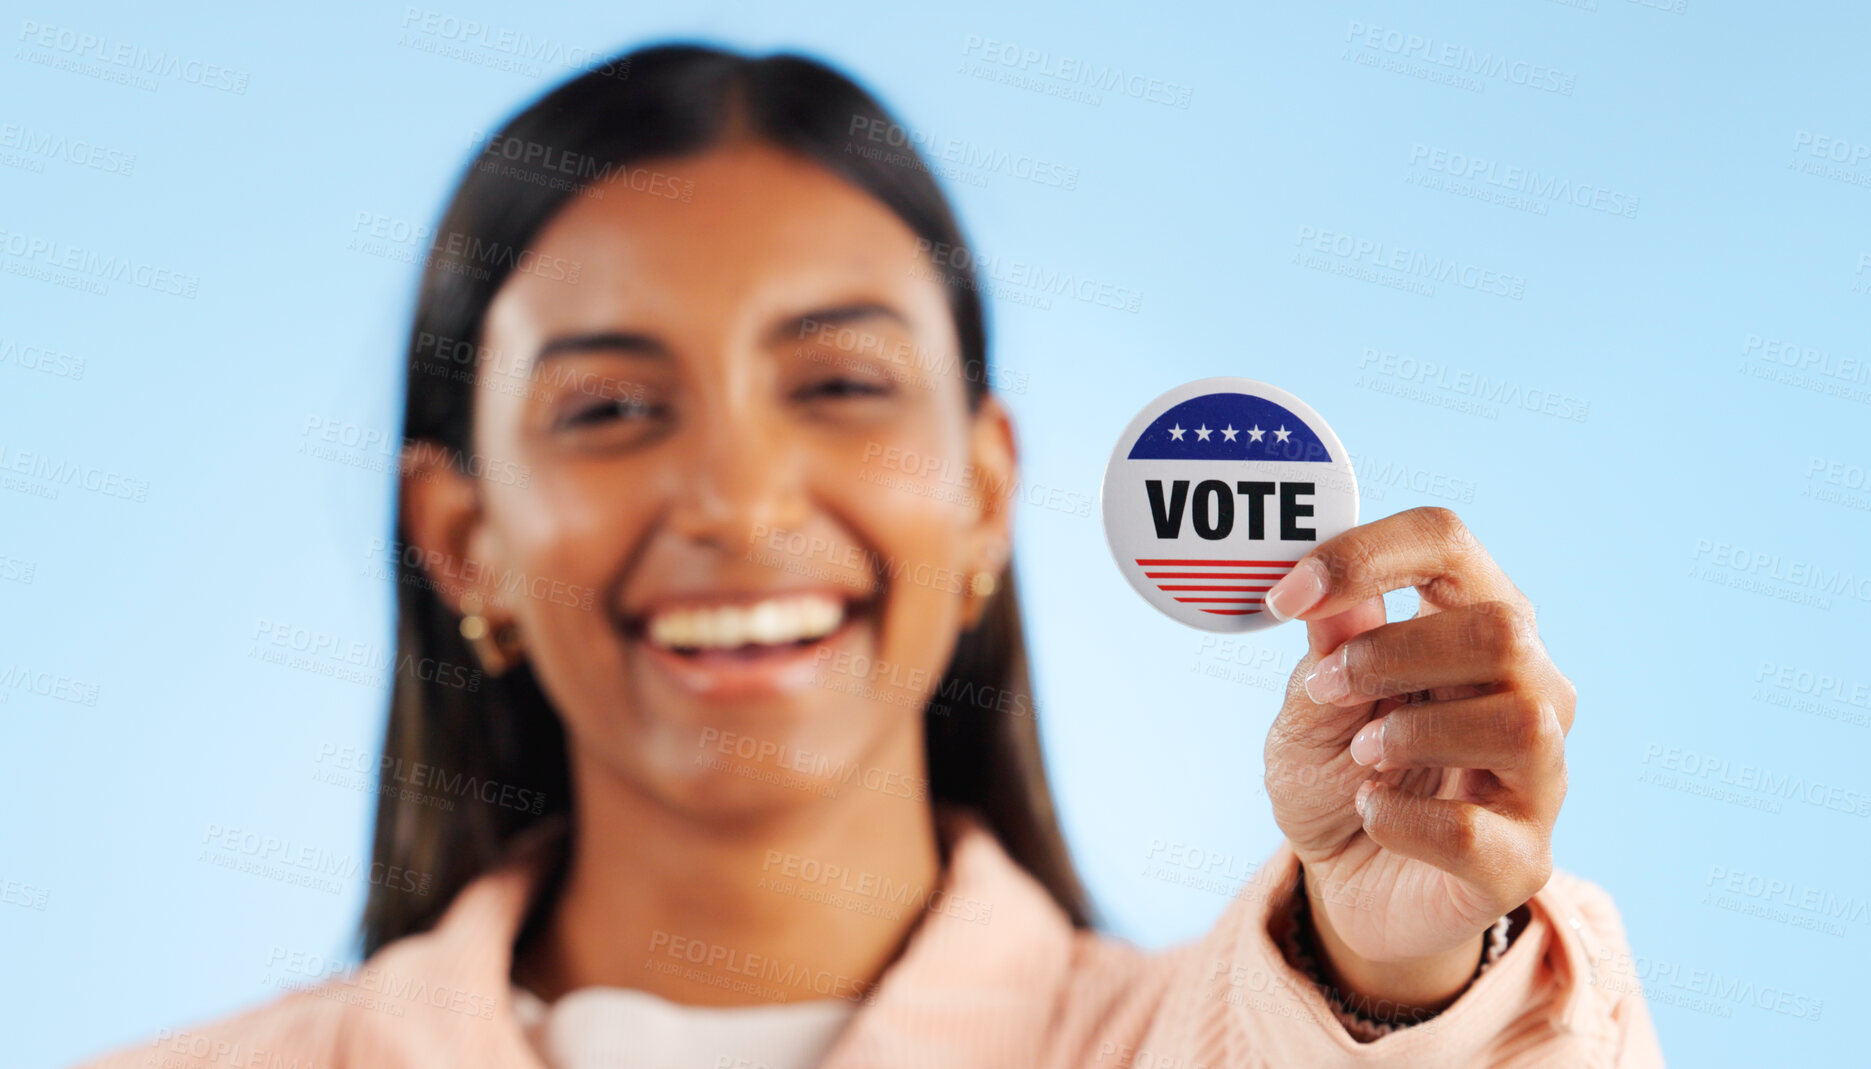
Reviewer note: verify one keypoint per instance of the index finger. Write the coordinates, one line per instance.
(1426, 548)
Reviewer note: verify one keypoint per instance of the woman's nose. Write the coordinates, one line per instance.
(746, 479)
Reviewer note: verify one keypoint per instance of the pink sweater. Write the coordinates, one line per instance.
(1024, 989)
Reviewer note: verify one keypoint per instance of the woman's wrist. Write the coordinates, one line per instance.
(1386, 994)
(1408, 991)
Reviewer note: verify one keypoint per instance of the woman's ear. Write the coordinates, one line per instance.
(995, 456)
(441, 517)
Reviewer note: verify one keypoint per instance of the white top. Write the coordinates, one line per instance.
(618, 1028)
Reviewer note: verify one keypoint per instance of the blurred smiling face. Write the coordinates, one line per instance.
(703, 418)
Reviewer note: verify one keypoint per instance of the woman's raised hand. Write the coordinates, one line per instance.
(1417, 767)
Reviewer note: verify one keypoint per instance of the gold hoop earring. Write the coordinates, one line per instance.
(496, 648)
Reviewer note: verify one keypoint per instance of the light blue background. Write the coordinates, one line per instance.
(1607, 523)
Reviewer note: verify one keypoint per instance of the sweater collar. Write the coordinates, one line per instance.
(990, 939)
(990, 942)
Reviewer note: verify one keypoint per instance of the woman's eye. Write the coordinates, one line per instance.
(841, 387)
(620, 409)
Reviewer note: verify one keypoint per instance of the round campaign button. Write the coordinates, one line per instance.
(1215, 491)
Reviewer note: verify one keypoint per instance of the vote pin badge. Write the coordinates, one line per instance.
(1215, 491)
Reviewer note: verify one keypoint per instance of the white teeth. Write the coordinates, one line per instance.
(771, 622)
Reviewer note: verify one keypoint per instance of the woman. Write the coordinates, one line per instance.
(755, 772)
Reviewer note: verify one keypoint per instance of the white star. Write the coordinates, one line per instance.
(1255, 434)
(1228, 433)
(1202, 433)
(1283, 434)
(1176, 432)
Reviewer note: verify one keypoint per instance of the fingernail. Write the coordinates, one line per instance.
(1367, 746)
(1297, 591)
(1327, 683)
(1362, 800)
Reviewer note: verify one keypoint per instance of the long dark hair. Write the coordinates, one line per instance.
(499, 734)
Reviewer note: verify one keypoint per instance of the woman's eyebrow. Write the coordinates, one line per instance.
(793, 328)
(605, 341)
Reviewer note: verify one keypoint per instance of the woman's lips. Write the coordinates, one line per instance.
(764, 648)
